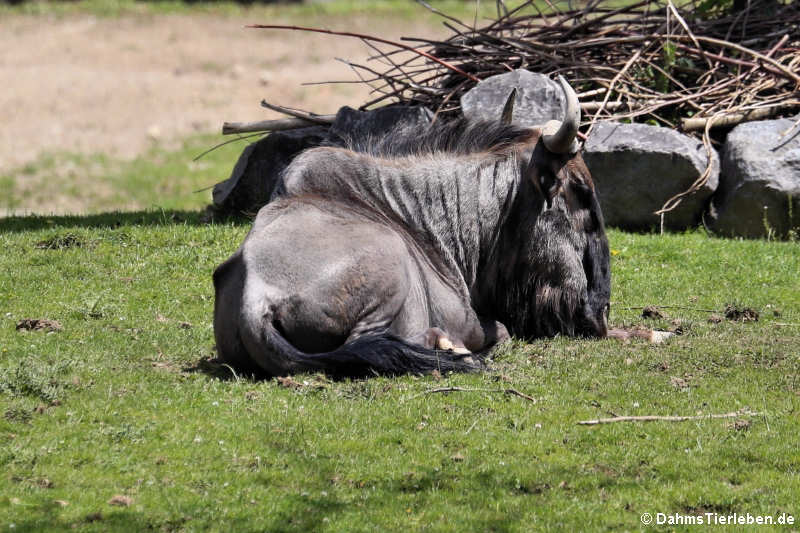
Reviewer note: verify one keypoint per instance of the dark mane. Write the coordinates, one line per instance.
(455, 137)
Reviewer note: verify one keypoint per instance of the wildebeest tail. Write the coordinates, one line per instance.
(377, 353)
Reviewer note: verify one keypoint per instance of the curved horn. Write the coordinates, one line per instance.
(559, 136)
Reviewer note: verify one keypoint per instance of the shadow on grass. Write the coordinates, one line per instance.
(216, 369)
(116, 219)
(305, 513)
(105, 520)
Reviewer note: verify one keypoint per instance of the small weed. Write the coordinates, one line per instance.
(61, 242)
(91, 308)
(769, 231)
(18, 414)
(34, 378)
(125, 432)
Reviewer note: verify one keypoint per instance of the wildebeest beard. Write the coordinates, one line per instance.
(495, 238)
(542, 286)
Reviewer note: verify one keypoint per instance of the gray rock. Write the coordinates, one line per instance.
(256, 172)
(358, 129)
(260, 165)
(638, 167)
(759, 193)
(538, 100)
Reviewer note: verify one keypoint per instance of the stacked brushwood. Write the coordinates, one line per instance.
(692, 67)
(648, 61)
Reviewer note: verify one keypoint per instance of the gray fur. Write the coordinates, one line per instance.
(360, 255)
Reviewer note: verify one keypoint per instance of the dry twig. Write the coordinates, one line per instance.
(693, 73)
(303, 115)
(628, 53)
(656, 418)
(511, 391)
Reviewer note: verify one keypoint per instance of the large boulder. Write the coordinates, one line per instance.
(360, 129)
(256, 172)
(759, 194)
(638, 167)
(260, 165)
(538, 99)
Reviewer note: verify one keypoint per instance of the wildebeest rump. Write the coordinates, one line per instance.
(373, 259)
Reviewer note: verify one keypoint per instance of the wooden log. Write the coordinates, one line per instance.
(281, 124)
(594, 106)
(699, 123)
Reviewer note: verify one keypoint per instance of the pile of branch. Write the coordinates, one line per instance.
(648, 61)
(693, 67)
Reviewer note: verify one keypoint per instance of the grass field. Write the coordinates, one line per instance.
(160, 178)
(119, 422)
(300, 10)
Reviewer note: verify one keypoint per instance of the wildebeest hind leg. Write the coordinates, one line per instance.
(495, 332)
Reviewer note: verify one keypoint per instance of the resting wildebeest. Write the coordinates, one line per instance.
(405, 256)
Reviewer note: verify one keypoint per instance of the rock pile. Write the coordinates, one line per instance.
(753, 192)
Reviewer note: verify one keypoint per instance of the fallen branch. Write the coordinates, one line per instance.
(595, 106)
(694, 124)
(656, 418)
(513, 392)
(281, 124)
(682, 307)
(675, 201)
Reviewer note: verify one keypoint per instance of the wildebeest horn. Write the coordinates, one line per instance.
(508, 109)
(559, 136)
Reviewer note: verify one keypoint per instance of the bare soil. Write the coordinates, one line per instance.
(115, 86)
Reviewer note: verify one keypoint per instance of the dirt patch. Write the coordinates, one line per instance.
(737, 313)
(653, 312)
(116, 86)
(38, 324)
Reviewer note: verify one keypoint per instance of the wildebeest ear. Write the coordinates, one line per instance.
(544, 179)
(508, 109)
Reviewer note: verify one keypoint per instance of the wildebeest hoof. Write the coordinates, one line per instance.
(657, 337)
(443, 343)
(653, 336)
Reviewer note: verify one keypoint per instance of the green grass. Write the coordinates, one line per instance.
(122, 401)
(315, 10)
(160, 178)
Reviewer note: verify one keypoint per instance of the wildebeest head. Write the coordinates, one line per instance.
(556, 276)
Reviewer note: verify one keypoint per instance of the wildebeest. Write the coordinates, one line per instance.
(407, 254)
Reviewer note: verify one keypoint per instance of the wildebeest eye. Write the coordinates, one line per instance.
(583, 193)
